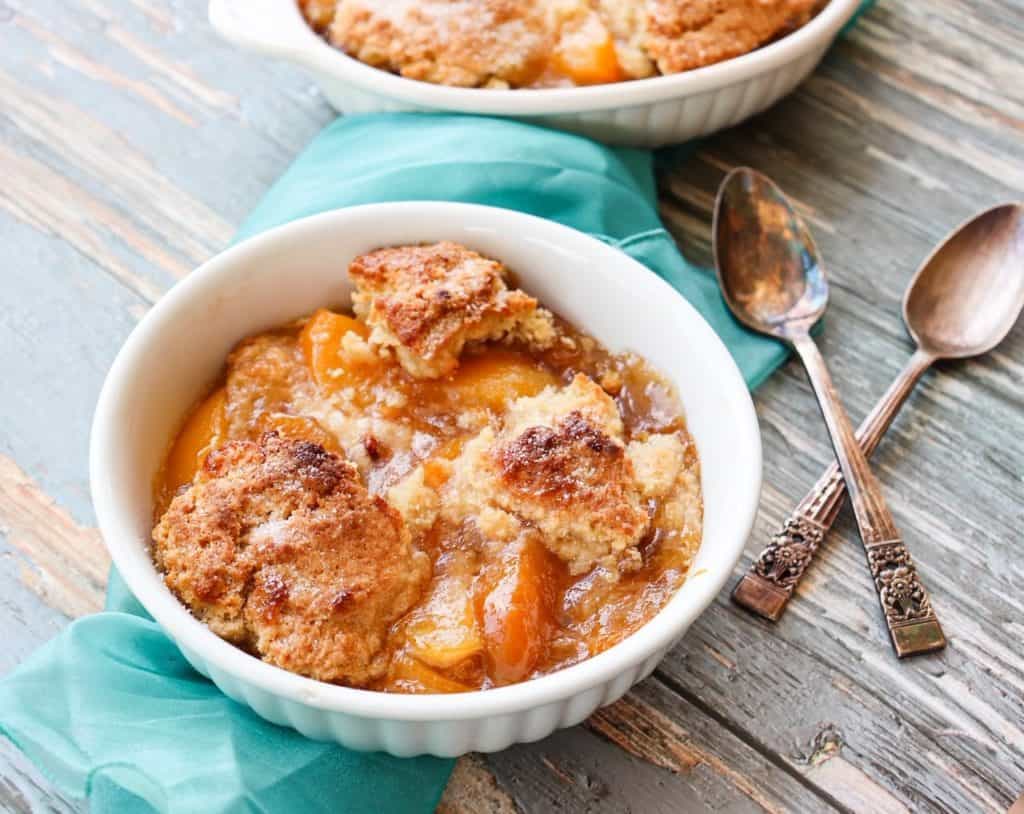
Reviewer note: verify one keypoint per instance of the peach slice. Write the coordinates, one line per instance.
(408, 674)
(493, 379)
(443, 631)
(516, 614)
(586, 52)
(321, 342)
(204, 426)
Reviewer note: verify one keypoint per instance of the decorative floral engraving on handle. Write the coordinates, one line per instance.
(774, 575)
(903, 597)
(789, 552)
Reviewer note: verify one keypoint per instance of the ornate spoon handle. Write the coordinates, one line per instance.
(775, 573)
(778, 569)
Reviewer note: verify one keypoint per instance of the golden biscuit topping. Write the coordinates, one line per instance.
(683, 36)
(427, 302)
(558, 467)
(573, 460)
(468, 43)
(278, 546)
(528, 43)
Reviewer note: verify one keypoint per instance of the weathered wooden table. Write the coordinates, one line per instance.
(133, 141)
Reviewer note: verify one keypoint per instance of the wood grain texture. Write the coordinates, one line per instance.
(66, 564)
(133, 141)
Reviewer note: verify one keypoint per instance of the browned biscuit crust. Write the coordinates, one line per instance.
(427, 302)
(467, 43)
(558, 466)
(575, 468)
(277, 546)
(681, 36)
(563, 468)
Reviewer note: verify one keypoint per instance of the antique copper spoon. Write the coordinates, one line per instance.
(773, 281)
(963, 301)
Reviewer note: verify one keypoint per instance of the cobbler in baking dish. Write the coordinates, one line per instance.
(549, 43)
(448, 489)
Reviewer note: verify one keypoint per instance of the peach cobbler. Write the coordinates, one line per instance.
(449, 489)
(548, 43)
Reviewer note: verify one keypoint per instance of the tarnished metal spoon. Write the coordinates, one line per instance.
(773, 281)
(965, 298)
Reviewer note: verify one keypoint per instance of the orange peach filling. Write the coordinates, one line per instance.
(495, 611)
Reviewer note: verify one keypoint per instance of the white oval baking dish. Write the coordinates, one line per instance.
(643, 113)
(178, 350)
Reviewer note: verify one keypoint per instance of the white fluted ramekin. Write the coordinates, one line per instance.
(642, 113)
(178, 350)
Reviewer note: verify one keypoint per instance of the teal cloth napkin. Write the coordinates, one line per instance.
(111, 710)
(608, 193)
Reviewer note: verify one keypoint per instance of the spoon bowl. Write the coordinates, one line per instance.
(969, 292)
(768, 264)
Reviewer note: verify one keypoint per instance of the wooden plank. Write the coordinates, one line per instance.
(472, 788)
(69, 563)
(27, 621)
(24, 790)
